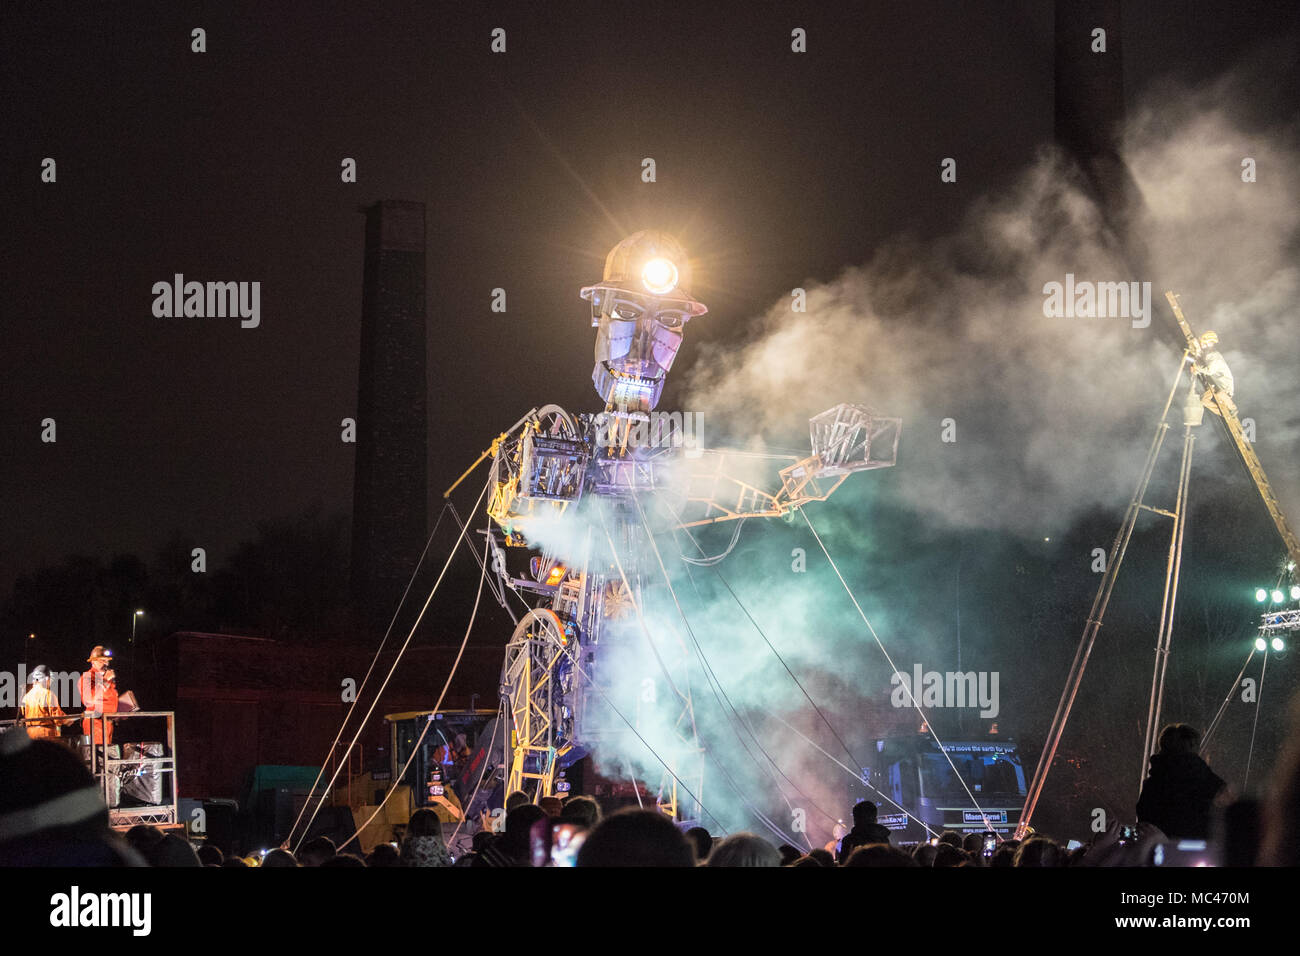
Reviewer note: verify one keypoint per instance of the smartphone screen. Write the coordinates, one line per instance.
(566, 840)
(1183, 853)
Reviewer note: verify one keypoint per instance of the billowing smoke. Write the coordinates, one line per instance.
(1047, 414)
(1012, 421)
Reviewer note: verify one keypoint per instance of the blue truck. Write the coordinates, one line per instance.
(916, 774)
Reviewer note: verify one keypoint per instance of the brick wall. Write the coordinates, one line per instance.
(244, 701)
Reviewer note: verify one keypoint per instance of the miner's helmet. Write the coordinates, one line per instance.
(1209, 340)
(648, 264)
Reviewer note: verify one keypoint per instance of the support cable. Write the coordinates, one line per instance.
(1232, 692)
(1259, 705)
(348, 716)
(391, 670)
(707, 560)
(856, 776)
(720, 693)
(632, 727)
(771, 646)
(499, 588)
(898, 674)
(415, 749)
(640, 618)
(685, 699)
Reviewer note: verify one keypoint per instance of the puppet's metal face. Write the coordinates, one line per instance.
(637, 339)
(639, 309)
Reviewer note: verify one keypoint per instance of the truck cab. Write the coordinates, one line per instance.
(916, 774)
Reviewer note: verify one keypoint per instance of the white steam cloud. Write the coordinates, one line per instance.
(1052, 415)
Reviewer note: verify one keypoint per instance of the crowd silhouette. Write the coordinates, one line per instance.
(52, 814)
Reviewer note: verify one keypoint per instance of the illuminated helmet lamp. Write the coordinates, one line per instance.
(659, 276)
(647, 263)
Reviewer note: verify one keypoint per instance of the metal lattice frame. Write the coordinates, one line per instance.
(531, 683)
(128, 817)
(539, 472)
(845, 439)
(104, 766)
(854, 438)
(1280, 621)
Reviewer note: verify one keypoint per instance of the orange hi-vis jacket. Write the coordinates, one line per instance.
(40, 712)
(97, 696)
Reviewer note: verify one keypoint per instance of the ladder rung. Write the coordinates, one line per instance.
(1159, 511)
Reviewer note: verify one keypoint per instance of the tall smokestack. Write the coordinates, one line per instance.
(390, 506)
(1090, 114)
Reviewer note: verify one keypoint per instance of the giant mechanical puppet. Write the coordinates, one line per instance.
(591, 492)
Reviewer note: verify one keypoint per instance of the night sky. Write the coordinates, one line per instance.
(775, 169)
